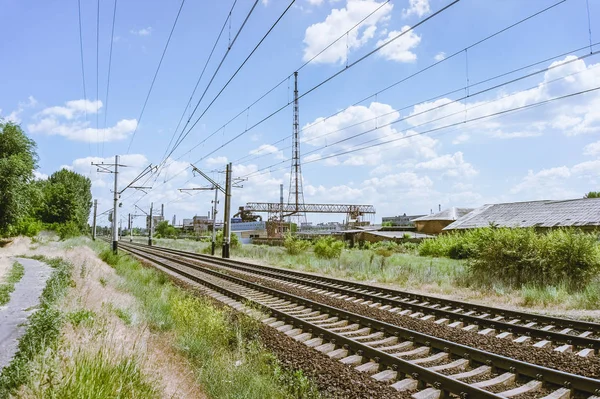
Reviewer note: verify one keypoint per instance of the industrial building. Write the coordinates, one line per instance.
(581, 213)
(401, 220)
(434, 224)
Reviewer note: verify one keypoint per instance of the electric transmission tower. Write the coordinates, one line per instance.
(296, 194)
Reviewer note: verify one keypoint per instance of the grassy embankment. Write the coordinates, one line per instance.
(222, 347)
(555, 270)
(42, 332)
(15, 274)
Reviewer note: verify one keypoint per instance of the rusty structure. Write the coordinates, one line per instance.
(296, 193)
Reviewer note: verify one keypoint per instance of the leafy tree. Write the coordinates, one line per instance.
(592, 194)
(165, 230)
(67, 198)
(18, 160)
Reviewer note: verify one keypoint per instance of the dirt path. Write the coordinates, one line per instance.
(22, 304)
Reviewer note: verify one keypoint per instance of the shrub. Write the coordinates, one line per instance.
(28, 226)
(328, 248)
(68, 230)
(294, 245)
(522, 256)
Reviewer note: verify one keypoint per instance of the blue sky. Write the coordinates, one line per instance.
(550, 151)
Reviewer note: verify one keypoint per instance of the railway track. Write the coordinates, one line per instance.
(409, 361)
(539, 331)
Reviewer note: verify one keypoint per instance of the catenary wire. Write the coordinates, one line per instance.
(112, 38)
(139, 120)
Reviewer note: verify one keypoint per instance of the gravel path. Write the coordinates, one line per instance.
(24, 298)
(568, 362)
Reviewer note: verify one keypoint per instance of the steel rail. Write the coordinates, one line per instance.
(578, 383)
(307, 279)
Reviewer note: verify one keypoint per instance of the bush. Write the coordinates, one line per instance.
(68, 230)
(328, 248)
(294, 245)
(522, 256)
(28, 226)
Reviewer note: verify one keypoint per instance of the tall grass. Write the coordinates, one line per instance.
(222, 347)
(15, 274)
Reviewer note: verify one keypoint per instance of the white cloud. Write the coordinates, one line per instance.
(73, 109)
(416, 7)
(142, 32)
(51, 121)
(15, 116)
(315, 2)
(451, 165)
(577, 115)
(337, 134)
(592, 149)
(39, 175)
(440, 56)
(400, 49)
(79, 131)
(268, 149)
(320, 35)
(216, 161)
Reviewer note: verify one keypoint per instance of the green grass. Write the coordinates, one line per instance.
(43, 329)
(222, 347)
(15, 274)
(81, 317)
(97, 375)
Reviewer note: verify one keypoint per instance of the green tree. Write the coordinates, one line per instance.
(67, 199)
(592, 194)
(18, 160)
(164, 230)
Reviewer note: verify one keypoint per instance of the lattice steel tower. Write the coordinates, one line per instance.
(296, 194)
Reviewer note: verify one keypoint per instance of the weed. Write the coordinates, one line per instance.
(103, 281)
(15, 275)
(124, 315)
(80, 316)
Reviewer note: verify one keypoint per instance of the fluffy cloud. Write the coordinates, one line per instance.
(399, 49)
(573, 116)
(15, 116)
(80, 131)
(440, 56)
(320, 35)
(451, 165)
(592, 149)
(416, 7)
(142, 32)
(368, 125)
(68, 121)
(266, 149)
(216, 161)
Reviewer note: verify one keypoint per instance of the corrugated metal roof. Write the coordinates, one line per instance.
(575, 212)
(447, 214)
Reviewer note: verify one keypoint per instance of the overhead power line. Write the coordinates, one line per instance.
(139, 120)
(268, 168)
(461, 51)
(335, 75)
(199, 78)
(82, 65)
(462, 89)
(112, 38)
(233, 76)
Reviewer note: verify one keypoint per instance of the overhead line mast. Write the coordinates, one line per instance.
(296, 193)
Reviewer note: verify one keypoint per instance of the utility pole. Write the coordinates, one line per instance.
(214, 226)
(227, 215)
(130, 220)
(150, 229)
(94, 220)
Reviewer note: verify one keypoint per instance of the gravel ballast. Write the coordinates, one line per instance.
(568, 362)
